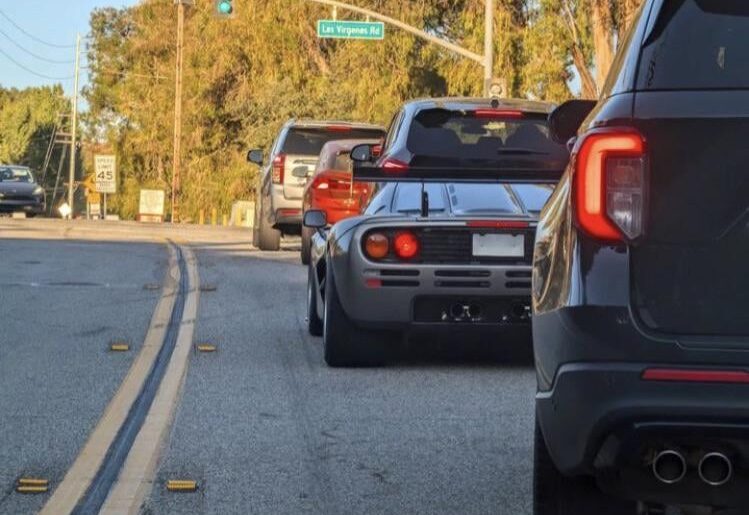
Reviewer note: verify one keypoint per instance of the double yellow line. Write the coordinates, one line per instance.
(137, 474)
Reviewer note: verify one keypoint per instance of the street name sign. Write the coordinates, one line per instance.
(105, 171)
(334, 29)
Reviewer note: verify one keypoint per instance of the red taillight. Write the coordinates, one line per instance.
(498, 114)
(338, 128)
(610, 184)
(696, 376)
(498, 224)
(332, 180)
(394, 166)
(406, 245)
(278, 169)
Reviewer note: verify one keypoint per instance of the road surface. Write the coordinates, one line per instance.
(262, 425)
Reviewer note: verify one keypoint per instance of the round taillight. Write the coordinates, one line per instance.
(376, 245)
(406, 245)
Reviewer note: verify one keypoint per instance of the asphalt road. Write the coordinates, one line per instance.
(262, 424)
(61, 304)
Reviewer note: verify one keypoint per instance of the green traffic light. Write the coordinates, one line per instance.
(225, 7)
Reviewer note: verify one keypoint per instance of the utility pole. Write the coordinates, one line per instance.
(178, 109)
(489, 47)
(74, 128)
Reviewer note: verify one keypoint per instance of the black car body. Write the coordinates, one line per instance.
(437, 249)
(19, 191)
(640, 289)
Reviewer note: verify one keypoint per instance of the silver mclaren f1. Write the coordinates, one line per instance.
(446, 243)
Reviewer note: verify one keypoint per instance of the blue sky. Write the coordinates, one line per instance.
(53, 21)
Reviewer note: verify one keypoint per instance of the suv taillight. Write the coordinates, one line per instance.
(279, 163)
(610, 184)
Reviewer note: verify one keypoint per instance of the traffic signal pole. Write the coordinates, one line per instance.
(486, 60)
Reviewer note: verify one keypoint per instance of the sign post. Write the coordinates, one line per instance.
(105, 172)
(335, 29)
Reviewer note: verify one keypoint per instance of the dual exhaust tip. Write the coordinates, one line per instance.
(714, 469)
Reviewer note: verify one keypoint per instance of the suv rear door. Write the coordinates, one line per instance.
(690, 273)
(301, 149)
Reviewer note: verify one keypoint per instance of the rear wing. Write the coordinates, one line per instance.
(366, 168)
(371, 172)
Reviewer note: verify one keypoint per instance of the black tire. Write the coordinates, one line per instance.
(306, 244)
(556, 494)
(268, 238)
(314, 323)
(344, 344)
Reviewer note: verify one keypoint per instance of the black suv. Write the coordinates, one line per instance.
(640, 281)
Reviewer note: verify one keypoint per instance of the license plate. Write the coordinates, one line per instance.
(499, 245)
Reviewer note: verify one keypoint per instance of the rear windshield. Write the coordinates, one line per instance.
(698, 44)
(13, 174)
(467, 198)
(439, 137)
(309, 142)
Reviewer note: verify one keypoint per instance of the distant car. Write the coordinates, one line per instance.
(449, 256)
(331, 189)
(283, 176)
(640, 282)
(19, 191)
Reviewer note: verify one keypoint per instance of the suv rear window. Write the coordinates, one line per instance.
(438, 137)
(309, 142)
(697, 44)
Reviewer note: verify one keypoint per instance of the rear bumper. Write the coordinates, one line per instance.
(603, 416)
(22, 206)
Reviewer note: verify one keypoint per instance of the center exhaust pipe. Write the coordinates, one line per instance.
(715, 469)
(669, 467)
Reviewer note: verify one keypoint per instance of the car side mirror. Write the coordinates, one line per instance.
(565, 120)
(255, 156)
(361, 153)
(315, 219)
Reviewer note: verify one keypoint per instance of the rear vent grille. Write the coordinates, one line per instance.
(518, 284)
(519, 274)
(399, 273)
(463, 284)
(462, 273)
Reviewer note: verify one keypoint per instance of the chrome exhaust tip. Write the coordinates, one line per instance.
(474, 311)
(458, 311)
(715, 469)
(669, 467)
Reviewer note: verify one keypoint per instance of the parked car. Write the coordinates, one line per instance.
(278, 204)
(331, 189)
(640, 289)
(19, 191)
(444, 253)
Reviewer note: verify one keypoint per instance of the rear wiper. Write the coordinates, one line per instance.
(522, 152)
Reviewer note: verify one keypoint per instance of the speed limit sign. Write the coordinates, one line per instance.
(105, 172)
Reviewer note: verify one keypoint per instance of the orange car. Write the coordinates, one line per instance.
(330, 188)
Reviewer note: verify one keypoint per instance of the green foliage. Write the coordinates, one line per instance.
(27, 118)
(245, 76)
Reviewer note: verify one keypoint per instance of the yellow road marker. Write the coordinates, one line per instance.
(181, 485)
(206, 347)
(30, 485)
(119, 347)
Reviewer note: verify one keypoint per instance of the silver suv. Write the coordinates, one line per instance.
(292, 159)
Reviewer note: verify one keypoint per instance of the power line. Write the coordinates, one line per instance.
(30, 35)
(32, 54)
(29, 70)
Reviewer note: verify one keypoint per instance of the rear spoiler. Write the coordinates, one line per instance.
(370, 172)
